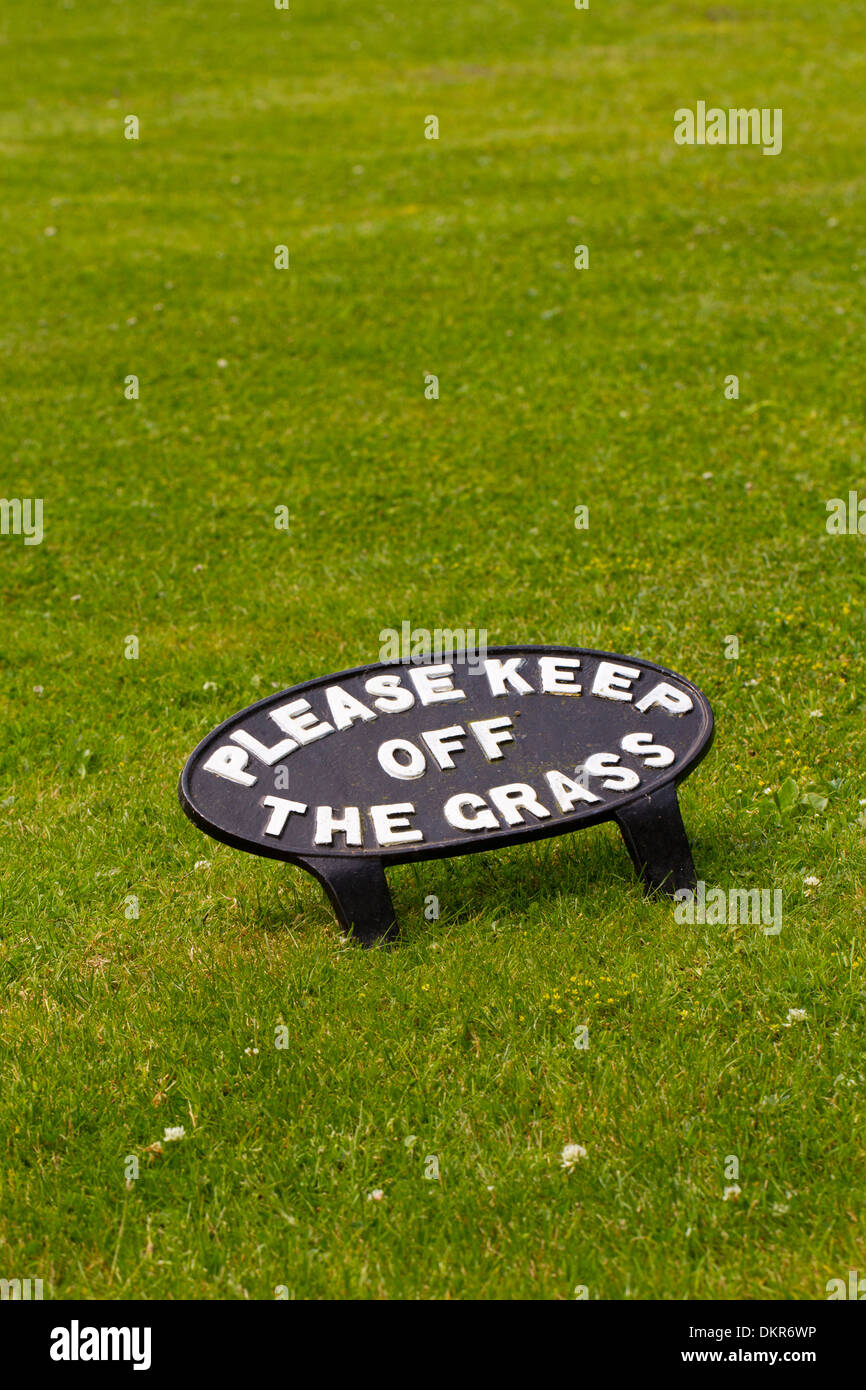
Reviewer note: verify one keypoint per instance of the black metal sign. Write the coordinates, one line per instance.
(391, 763)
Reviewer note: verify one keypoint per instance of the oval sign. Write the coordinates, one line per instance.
(391, 763)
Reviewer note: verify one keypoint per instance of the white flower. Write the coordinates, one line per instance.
(221, 362)
(251, 1051)
(202, 863)
(816, 714)
(811, 881)
(781, 1208)
(177, 1132)
(795, 1016)
(209, 685)
(572, 1154)
(731, 1193)
(376, 1195)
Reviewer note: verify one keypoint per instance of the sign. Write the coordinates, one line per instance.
(385, 764)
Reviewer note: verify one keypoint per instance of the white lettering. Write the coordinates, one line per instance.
(229, 762)
(345, 709)
(391, 825)
(265, 755)
(617, 779)
(435, 684)
(612, 681)
(280, 809)
(299, 721)
(511, 799)
(443, 742)
(653, 754)
(327, 825)
(490, 733)
(456, 816)
(415, 767)
(557, 674)
(567, 791)
(667, 697)
(503, 673)
(393, 695)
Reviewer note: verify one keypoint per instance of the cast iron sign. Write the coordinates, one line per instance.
(385, 764)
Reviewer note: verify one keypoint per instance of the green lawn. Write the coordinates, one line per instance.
(305, 388)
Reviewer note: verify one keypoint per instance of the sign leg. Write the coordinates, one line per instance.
(656, 839)
(359, 894)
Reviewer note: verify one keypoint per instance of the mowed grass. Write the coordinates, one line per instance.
(558, 387)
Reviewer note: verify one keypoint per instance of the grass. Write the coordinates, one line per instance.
(558, 387)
